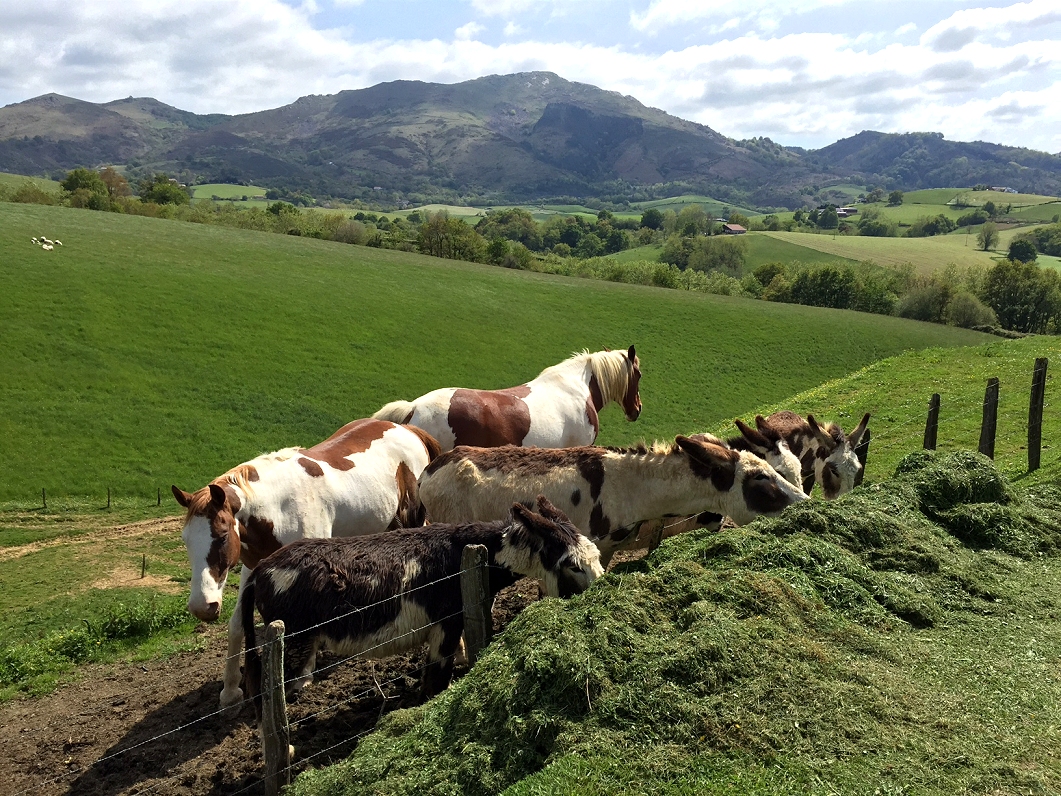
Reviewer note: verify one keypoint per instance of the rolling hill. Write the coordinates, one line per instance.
(147, 352)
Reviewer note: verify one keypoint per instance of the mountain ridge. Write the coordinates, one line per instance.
(523, 136)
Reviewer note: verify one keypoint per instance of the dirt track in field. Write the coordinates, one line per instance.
(155, 727)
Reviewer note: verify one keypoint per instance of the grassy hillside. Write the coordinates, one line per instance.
(14, 181)
(147, 352)
(896, 392)
(227, 191)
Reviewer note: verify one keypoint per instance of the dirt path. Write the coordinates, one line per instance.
(155, 727)
(130, 531)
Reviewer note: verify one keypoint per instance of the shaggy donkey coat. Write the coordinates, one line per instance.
(391, 593)
(607, 492)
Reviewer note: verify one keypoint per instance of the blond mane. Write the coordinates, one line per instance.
(610, 368)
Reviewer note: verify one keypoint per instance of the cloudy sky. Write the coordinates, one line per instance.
(803, 72)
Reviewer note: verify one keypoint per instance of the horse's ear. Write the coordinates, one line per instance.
(856, 436)
(182, 497)
(217, 496)
(819, 433)
(631, 354)
(752, 436)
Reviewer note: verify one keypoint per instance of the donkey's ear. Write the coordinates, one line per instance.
(217, 495)
(529, 522)
(819, 433)
(856, 436)
(182, 497)
(760, 423)
(753, 437)
(631, 354)
(707, 452)
(549, 511)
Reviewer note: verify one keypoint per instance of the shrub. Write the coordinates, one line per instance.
(924, 302)
(1026, 297)
(827, 286)
(1022, 250)
(928, 226)
(967, 311)
(30, 193)
(973, 218)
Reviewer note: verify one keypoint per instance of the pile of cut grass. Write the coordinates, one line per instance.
(862, 645)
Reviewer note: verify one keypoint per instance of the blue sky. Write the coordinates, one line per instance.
(803, 73)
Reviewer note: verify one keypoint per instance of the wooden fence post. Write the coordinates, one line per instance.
(276, 734)
(862, 451)
(475, 592)
(1035, 413)
(160, 496)
(44, 498)
(932, 424)
(990, 421)
(108, 497)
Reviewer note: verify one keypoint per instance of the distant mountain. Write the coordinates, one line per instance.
(523, 136)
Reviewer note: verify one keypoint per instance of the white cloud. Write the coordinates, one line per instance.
(468, 31)
(799, 88)
(1001, 24)
(668, 13)
(909, 27)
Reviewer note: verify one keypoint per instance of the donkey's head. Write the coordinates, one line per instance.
(747, 485)
(632, 397)
(211, 534)
(767, 443)
(545, 545)
(836, 467)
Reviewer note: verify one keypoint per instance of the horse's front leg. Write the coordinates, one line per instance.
(231, 693)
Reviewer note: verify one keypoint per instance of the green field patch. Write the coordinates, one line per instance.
(148, 352)
(16, 181)
(840, 648)
(227, 191)
(767, 248)
(896, 392)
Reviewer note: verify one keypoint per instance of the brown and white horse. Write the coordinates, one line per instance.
(361, 480)
(606, 492)
(558, 409)
(826, 454)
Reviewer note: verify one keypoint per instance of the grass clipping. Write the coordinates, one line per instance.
(756, 646)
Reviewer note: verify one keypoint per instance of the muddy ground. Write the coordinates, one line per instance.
(156, 727)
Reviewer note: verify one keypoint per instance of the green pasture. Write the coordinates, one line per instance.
(712, 206)
(1044, 213)
(926, 254)
(896, 392)
(147, 352)
(227, 191)
(971, 198)
(15, 181)
(908, 212)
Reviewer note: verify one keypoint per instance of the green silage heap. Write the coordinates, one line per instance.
(770, 658)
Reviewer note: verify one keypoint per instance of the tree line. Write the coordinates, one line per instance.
(1015, 294)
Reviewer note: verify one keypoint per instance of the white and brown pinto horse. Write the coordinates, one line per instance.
(558, 409)
(826, 454)
(606, 492)
(361, 480)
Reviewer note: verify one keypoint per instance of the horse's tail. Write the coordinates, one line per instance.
(252, 672)
(396, 412)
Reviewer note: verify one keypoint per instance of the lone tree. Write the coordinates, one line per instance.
(895, 198)
(1022, 250)
(988, 236)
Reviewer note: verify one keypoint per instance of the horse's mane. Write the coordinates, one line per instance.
(240, 476)
(613, 376)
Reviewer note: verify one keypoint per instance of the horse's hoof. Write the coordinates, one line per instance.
(230, 698)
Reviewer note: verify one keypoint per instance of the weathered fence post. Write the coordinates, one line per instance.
(160, 496)
(990, 421)
(44, 498)
(475, 591)
(932, 424)
(143, 567)
(276, 734)
(108, 497)
(862, 451)
(1035, 413)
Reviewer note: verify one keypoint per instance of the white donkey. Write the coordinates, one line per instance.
(606, 492)
(826, 454)
(361, 480)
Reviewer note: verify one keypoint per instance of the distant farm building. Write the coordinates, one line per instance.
(1002, 189)
(733, 229)
(844, 212)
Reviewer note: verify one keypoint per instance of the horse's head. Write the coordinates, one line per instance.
(836, 466)
(211, 534)
(632, 397)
